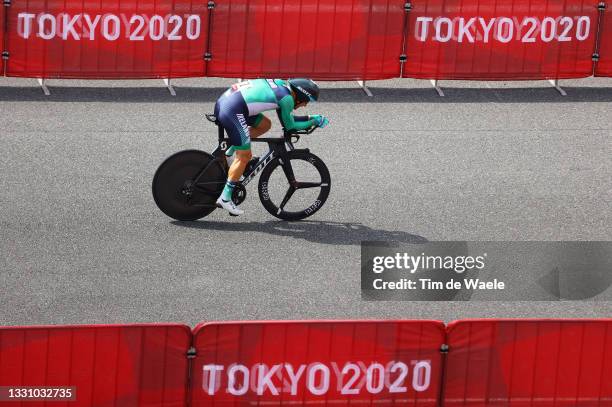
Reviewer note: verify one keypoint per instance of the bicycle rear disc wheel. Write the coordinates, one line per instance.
(298, 198)
(178, 195)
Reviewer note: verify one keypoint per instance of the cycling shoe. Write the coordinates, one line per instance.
(229, 206)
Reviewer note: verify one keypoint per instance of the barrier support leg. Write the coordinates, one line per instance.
(169, 86)
(434, 83)
(42, 84)
(365, 88)
(555, 84)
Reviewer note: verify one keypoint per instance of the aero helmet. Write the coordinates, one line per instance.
(306, 90)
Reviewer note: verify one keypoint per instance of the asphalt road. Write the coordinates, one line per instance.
(83, 242)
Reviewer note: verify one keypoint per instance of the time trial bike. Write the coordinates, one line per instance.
(294, 183)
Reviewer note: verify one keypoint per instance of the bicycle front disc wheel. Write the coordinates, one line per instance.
(187, 184)
(296, 187)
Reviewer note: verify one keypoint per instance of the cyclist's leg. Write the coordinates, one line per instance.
(241, 144)
(243, 156)
(233, 117)
(258, 125)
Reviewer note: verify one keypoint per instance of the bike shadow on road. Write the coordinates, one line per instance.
(324, 232)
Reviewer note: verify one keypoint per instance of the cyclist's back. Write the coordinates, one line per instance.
(260, 95)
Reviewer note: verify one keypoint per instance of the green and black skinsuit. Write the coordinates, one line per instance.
(242, 105)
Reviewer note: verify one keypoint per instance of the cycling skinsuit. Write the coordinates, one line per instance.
(242, 105)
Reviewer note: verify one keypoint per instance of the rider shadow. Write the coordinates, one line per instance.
(325, 232)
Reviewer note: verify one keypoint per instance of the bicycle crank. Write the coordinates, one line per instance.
(239, 194)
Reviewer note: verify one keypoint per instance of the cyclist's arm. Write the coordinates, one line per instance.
(301, 118)
(289, 122)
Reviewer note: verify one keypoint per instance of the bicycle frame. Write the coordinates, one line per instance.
(278, 147)
(261, 164)
(187, 184)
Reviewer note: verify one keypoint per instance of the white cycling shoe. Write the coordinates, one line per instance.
(230, 206)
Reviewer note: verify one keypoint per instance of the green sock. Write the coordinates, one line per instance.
(226, 195)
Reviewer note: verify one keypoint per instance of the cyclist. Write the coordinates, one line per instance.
(239, 110)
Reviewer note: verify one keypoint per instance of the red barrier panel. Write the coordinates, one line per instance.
(501, 39)
(604, 65)
(529, 363)
(280, 363)
(341, 39)
(2, 45)
(109, 39)
(127, 365)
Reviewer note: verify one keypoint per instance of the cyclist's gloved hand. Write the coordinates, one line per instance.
(320, 121)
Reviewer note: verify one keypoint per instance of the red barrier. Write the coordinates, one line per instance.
(529, 363)
(281, 363)
(501, 39)
(128, 365)
(341, 39)
(2, 45)
(109, 39)
(604, 65)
